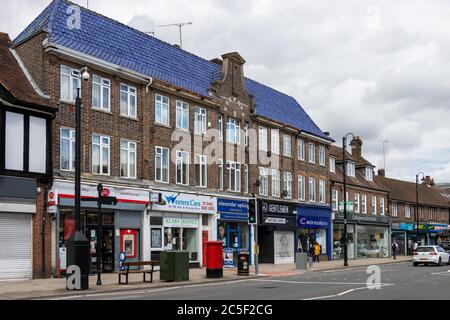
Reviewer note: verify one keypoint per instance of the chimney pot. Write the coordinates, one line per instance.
(381, 172)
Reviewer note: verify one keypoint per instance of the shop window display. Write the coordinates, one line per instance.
(338, 247)
(372, 242)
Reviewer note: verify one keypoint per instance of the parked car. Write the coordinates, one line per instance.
(430, 254)
(446, 245)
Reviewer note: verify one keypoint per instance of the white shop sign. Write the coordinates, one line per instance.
(183, 202)
(180, 222)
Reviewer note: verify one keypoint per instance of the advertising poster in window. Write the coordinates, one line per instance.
(228, 260)
(69, 228)
(156, 238)
(284, 247)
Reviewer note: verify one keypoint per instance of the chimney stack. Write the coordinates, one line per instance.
(381, 172)
(357, 148)
(428, 181)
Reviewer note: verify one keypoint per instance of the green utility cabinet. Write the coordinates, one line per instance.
(174, 266)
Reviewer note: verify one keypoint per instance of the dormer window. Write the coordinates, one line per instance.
(369, 174)
(350, 169)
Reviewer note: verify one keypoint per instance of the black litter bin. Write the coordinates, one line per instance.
(243, 264)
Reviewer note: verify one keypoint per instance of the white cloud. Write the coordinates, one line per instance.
(376, 68)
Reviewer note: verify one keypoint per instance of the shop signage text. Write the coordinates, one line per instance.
(180, 222)
(277, 208)
(312, 222)
(232, 209)
(182, 202)
(275, 221)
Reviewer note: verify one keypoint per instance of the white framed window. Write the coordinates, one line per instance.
(407, 211)
(287, 145)
(275, 141)
(312, 189)
(301, 149)
(356, 203)
(312, 153)
(433, 214)
(322, 191)
(382, 207)
(100, 154)
(333, 164)
(374, 205)
(201, 170)
(101, 93)
(394, 212)
(264, 179)
(162, 114)
(287, 184)
(162, 164)
(364, 203)
(182, 115)
(182, 167)
(128, 101)
(369, 174)
(200, 120)
(220, 174)
(128, 157)
(275, 183)
(245, 178)
(301, 188)
(351, 169)
(335, 199)
(262, 133)
(234, 176)
(322, 155)
(246, 134)
(233, 131)
(67, 149)
(69, 83)
(220, 127)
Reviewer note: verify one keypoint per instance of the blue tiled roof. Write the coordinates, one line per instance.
(116, 43)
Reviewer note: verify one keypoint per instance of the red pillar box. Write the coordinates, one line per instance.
(214, 268)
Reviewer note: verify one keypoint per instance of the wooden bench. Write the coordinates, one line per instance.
(140, 264)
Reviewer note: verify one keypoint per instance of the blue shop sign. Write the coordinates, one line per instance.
(312, 222)
(406, 226)
(232, 209)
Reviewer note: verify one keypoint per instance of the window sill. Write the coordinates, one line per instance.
(129, 117)
(182, 129)
(66, 102)
(162, 125)
(102, 110)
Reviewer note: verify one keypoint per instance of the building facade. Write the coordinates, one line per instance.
(368, 222)
(429, 224)
(182, 142)
(25, 171)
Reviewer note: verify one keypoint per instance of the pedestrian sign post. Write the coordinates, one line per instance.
(349, 205)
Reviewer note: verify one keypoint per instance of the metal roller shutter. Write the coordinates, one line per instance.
(15, 246)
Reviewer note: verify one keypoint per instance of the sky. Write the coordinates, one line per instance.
(377, 69)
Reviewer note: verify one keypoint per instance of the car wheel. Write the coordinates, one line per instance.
(439, 262)
(415, 264)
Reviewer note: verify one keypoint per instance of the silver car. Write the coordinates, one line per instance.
(430, 254)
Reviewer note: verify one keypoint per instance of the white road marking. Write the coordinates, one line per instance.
(318, 282)
(66, 298)
(446, 273)
(343, 293)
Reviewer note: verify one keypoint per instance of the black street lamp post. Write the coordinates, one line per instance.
(99, 235)
(417, 203)
(344, 172)
(78, 244)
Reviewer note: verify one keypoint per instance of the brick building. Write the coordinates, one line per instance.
(25, 171)
(432, 220)
(183, 143)
(368, 223)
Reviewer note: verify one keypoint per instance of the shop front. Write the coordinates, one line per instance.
(277, 227)
(181, 222)
(401, 233)
(314, 225)
(17, 210)
(118, 228)
(437, 233)
(368, 236)
(233, 229)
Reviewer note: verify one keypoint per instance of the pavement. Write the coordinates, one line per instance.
(55, 288)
